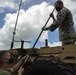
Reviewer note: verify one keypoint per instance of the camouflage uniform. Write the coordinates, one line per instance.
(65, 23)
(4, 72)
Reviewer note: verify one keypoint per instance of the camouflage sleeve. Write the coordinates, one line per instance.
(62, 14)
(10, 70)
(5, 73)
(60, 18)
(54, 25)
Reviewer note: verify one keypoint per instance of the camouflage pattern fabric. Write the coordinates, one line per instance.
(65, 23)
(3, 72)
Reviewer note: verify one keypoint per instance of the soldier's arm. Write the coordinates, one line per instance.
(18, 65)
(20, 71)
(60, 18)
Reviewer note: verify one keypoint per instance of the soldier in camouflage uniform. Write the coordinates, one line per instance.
(65, 23)
(5, 59)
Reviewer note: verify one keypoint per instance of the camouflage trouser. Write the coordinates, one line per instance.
(68, 42)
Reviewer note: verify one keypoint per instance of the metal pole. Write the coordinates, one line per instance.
(12, 43)
(28, 55)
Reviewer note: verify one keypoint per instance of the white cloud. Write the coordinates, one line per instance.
(10, 4)
(70, 4)
(55, 44)
(29, 25)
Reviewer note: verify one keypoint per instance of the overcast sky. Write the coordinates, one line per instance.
(33, 16)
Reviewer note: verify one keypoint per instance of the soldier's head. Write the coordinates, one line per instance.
(58, 5)
(5, 58)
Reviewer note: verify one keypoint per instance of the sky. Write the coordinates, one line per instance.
(32, 17)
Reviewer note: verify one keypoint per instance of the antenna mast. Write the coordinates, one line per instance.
(14, 32)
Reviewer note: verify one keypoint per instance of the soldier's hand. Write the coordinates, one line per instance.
(23, 58)
(20, 71)
(52, 15)
(45, 28)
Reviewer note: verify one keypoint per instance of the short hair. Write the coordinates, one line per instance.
(2, 53)
(59, 2)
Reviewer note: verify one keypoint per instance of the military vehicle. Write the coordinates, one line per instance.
(60, 60)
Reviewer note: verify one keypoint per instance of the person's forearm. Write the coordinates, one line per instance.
(20, 74)
(17, 66)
